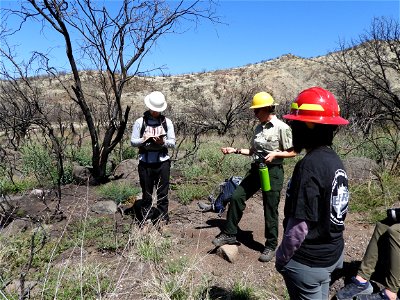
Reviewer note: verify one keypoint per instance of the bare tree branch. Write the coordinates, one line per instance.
(115, 44)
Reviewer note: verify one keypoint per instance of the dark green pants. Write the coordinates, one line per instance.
(247, 188)
(383, 256)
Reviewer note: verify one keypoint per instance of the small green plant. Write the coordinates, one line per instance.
(189, 192)
(234, 165)
(175, 291)
(15, 252)
(178, 278)
(83, 155)
(176, 266)
(100, 233)
(117, 191)
(375, 196)
(242, 291)
(152, 247)
(37, 161)
(129, 153)
(89, 281)
(17, 186)
(211, 168)
(67, 176)
(194, 171)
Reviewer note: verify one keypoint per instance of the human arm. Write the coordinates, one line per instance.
(295, 233)
(279, 154)
(136, 140)
(229, 150)
(169, 140)
(285, 148)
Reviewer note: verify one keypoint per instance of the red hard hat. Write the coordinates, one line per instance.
(316, 105)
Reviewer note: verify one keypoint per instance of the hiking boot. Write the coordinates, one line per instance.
(353, 289)
(377, 296)
(205, 207)
(267, 255)
(223, 239)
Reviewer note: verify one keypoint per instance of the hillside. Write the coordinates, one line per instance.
(284, 77)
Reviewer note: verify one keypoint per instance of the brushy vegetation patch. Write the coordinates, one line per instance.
(37, 245)
(205, 170)
(17, 185)
(101, 233)
(57, 266)
(76, 282)
(37, 162)
(375, 196)
(119, 192)
(188, 192)
(181, 278)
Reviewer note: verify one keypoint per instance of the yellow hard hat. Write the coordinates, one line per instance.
(262, 99)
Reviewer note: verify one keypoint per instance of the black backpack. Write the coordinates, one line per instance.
(146, 116)
(226, 190)
(150, 146)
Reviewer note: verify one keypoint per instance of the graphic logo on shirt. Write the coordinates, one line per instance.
(340, 197)
(288, 188)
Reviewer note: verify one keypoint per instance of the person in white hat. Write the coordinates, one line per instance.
(153, 134)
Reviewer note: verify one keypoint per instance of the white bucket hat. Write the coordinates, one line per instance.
(155, 101)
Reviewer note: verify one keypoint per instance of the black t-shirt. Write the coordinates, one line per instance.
(318, 193)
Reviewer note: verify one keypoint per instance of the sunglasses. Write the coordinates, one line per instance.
(257, 110)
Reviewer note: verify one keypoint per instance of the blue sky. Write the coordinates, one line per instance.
(254, 31)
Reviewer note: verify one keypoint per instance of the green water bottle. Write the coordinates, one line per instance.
(264, 177)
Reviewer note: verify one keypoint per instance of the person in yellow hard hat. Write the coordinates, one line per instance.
(271, 143)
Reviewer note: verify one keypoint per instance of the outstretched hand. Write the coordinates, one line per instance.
(228, 150)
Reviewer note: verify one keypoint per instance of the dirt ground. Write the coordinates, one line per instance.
(192, 232)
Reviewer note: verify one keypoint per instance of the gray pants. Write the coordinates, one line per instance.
(306, 283)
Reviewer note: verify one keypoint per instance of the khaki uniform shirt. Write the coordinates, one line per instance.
(274, 135)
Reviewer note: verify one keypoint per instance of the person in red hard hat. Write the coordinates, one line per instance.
(316, 201)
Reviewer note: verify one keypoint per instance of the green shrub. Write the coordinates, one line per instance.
(177, 266)
(99, 233)
(375, 196)
(241, 291)
(90, 281)
(83, 156)
(20, 185)
(235, 165)
(203, 172)
(119, 192)
(37, 161)
(129, 153)
(67, 176)
(152, 247)
(15, 251)
(194, 172)
(189, 192)
(175, 291)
